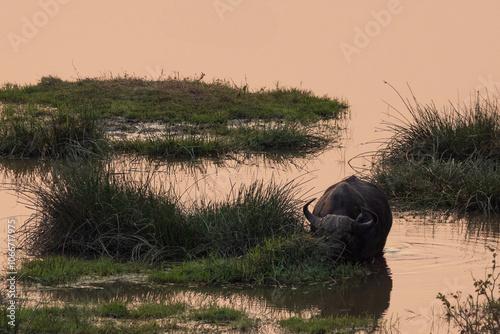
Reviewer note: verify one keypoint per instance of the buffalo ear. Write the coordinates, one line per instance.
(367, 219)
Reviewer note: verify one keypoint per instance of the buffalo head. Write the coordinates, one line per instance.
(342, 233)
(353, 217)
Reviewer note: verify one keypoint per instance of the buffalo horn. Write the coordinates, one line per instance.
(310, 217)
(364, 215)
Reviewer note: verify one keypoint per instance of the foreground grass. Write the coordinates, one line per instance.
(57, 119)
(444, 159)
(53, 270)
(119, 317)
(342, 324)
(255, 235)
(298, 259)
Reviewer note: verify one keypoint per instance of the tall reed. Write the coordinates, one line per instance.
(94, 210)
(443, 158)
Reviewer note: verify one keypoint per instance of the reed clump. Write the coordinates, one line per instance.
(95, 211)
(444, 159)
(34, 132)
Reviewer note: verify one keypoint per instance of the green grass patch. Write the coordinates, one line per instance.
(119, 317)
(340, 324)
(174, 100)
(68, 319)
(171, 146)
(54, 270)
(297, 259)
(157, 311)
(115, 309)
(443, 159)
(217, 314)
(223, 315)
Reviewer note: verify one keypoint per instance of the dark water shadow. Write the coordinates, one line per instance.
(369, 297)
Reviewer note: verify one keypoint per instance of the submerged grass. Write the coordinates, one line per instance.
(284, 138)
(444, 159)
(120, 317)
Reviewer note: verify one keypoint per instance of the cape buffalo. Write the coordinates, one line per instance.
(354, 217)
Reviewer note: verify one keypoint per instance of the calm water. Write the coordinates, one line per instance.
(443, 50)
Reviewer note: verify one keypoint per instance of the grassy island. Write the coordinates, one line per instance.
(164, 118)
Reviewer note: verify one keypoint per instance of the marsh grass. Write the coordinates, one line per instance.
(175, 100)
(443, 159)
(283, 138)
(341, 324)
(216, 314)
(53, 270)
(296, 259)
(34, 132)
(68, 319)
(57, 119)
(157, 311)
(172, 146)
(95, 211)
(120, 317)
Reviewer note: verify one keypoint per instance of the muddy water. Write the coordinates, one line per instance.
(442, 50)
